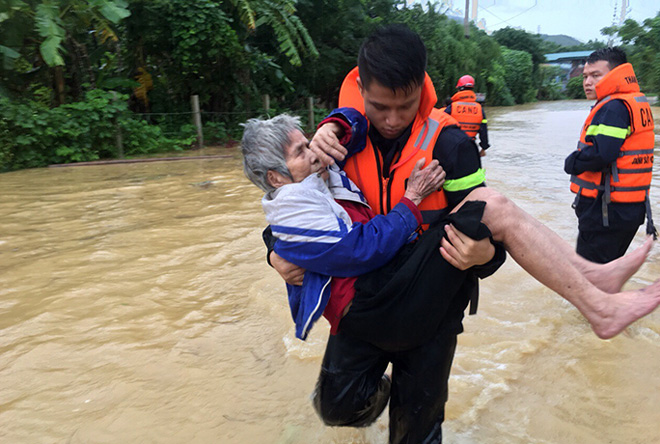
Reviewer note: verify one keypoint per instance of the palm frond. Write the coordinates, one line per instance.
(245, 12)
(292, 36)
(49, 26)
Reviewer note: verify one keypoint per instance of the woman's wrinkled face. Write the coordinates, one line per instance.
(300, 160)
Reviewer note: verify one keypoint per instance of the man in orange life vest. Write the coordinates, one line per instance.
(469, 113)
(612, 165)
(391, 87)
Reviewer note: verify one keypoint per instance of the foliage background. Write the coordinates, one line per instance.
(61, 59)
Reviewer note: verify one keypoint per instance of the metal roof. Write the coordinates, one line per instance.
(567, 56)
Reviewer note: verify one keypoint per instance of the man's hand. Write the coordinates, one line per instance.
(325, 143)
(464, 252)
(291, 273)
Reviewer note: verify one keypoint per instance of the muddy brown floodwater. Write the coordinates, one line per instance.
(136, 306)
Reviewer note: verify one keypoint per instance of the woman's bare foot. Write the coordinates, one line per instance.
(622, 309)
(611, 276)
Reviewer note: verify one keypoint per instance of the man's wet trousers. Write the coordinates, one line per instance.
(352, 390)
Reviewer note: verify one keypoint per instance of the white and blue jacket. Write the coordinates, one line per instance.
(316, 233)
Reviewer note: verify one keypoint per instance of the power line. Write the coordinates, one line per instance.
(517, 15)
(491, 12)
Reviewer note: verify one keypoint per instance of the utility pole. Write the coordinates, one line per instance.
(624, 11)
(466, 20)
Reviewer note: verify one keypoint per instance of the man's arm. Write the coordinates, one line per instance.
(331, 143)
(291, 273)
(459, 156)
(607, 131)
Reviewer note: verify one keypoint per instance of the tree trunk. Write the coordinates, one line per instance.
(83, 62)
(58, 80)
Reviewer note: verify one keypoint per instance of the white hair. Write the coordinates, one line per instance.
(263, 145)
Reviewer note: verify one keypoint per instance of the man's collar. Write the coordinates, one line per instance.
(383, 142)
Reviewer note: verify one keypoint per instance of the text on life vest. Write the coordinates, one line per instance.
(463, 109)
(646, 116)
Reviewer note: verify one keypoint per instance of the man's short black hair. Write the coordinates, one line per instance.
(614, 56)
(395, 57)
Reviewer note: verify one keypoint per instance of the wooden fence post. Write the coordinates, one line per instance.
(119, 140)
(197, 120)
(310, 111)
(266, 98)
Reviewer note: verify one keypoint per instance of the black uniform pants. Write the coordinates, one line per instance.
(605, 245)
(352, 391)
(407, 313)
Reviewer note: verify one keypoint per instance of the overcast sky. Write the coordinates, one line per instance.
(582, 19)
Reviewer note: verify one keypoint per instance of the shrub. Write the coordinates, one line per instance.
(498, 91)
(574, 88)
(33, 135)
(519, 75)
(551, 83)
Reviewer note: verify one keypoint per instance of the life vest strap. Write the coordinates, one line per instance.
(585, 184)
(634, 171)
(577, 198)
(615, 172)
(605, 201)
(469, 126)
(635, 152)
(639, 188)
(650, 226)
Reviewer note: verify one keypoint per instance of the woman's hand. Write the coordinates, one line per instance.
(423, 182)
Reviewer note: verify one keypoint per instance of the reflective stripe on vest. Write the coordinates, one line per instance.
(607, 130)
(429, 129)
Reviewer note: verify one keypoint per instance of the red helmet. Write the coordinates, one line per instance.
(465, 82)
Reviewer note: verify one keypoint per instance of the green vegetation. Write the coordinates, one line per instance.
(75, 72)
(574, 88)
(75, 132)
(642, 44)
(551, 87)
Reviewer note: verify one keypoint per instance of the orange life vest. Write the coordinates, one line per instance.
(467, 111)
(628, 179)
(365, 168)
